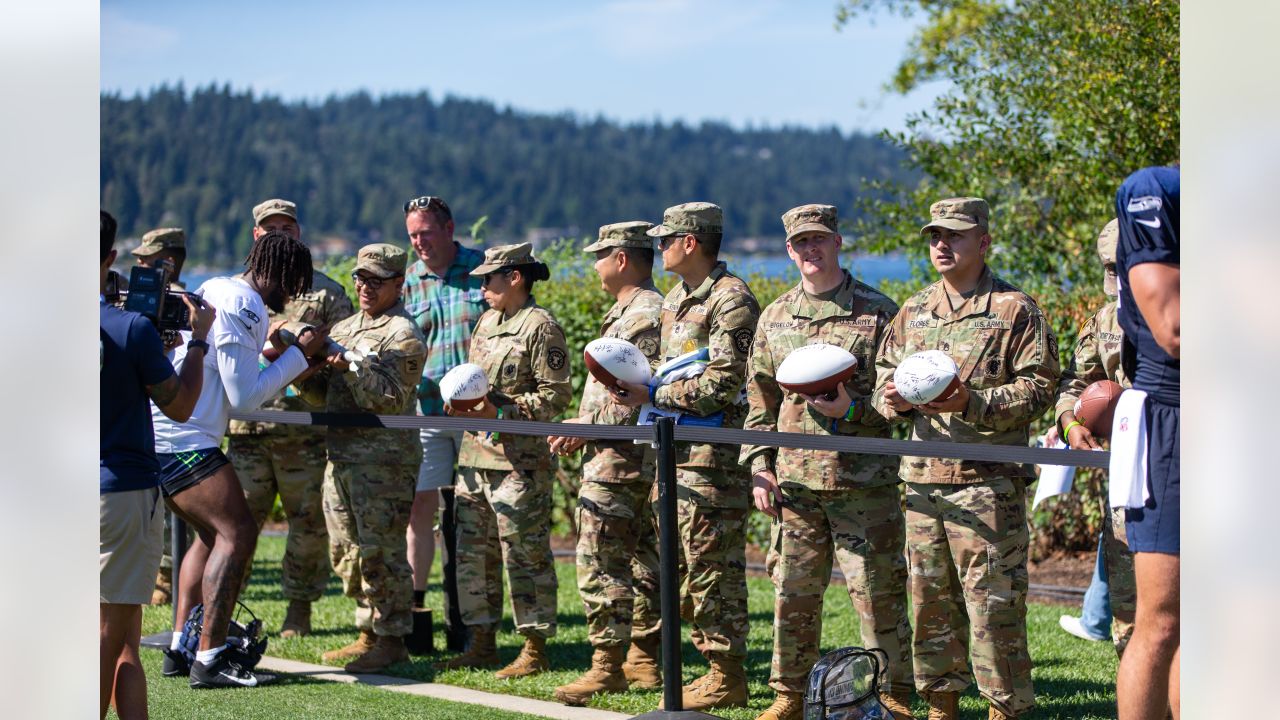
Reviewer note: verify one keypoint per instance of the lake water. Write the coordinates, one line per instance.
(870, 269)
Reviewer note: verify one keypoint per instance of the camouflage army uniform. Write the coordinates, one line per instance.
(1097, 357)
(713, 490)
(967, 520)
(289, 460)
(369, 479)
(615, 520)
(839, 506)
(503, 493)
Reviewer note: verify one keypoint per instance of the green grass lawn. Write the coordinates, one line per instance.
(1073, 678)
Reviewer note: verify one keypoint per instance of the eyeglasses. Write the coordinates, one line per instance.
(502, 271)
(374, 283)
(427, 203)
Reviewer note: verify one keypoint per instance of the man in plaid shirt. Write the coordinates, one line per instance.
(445, 301)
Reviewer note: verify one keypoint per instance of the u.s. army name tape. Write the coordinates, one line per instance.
(688, 433)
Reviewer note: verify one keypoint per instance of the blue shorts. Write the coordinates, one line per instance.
(181, 470)
(1156, 527)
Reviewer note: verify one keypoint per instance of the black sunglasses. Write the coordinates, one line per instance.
(505, 272)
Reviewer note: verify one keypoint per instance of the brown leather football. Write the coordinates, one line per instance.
(1097, 406)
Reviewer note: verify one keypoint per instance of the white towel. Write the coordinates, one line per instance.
(1129, 452)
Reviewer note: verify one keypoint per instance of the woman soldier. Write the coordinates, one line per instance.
(504, 481)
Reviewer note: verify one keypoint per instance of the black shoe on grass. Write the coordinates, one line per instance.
(176, 663)
(225, 672)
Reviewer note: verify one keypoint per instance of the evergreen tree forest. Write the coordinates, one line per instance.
(202, 159)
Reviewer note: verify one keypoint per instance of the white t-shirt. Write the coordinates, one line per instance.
(232, 378)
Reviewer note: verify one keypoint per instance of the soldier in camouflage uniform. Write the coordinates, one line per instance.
(615, 520)
(827, 506)
(1097, 357)
(710, 309)
(289, 460)
(967, 520)
(503, 490)
(369, 479)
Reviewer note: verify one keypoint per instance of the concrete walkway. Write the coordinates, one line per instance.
(513, 703)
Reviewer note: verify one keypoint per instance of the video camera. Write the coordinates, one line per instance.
(149, 295)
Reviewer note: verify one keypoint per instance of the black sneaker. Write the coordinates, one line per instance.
(225, 672)
(176, 663)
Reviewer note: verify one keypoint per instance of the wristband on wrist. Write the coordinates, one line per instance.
(1067, 431)
(848, 414)
(194, 343)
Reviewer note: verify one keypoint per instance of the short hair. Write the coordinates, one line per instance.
(710, 243)
(280, 257)
(642, 257)
(434, 206)
(107, 229)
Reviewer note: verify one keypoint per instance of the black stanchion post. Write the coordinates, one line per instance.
(669, 590)
(455, 633)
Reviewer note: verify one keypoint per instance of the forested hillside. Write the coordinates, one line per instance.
(202, 159)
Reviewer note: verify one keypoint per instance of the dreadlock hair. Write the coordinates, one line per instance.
(281, 257)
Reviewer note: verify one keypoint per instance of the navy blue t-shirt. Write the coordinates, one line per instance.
(1147, 208)
(132, 357)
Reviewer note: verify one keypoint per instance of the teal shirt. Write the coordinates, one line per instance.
(446, 310)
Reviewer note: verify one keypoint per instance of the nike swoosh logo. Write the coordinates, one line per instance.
(246, 682)
(1153, 224)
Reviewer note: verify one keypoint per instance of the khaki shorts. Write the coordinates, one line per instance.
(130, 538)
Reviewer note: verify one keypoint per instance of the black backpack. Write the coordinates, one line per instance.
(845, 685)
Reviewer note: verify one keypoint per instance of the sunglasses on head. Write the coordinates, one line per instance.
(426, 202)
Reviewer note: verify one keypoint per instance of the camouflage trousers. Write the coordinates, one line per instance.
(1122, 587)
(711, 520)
(863, 531)
(293, 468)
(367, 510)
(503, 518)
(616, 533)
(967, 546)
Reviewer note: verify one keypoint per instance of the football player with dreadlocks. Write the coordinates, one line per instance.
(199, 483)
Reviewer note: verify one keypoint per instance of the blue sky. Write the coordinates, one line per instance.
(761, 62)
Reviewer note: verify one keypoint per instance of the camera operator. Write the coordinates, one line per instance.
(198, 481)
(133, 369)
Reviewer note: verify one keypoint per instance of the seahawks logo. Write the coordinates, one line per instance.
(555, 358)
(250, 315)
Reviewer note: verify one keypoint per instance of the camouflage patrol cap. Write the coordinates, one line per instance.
(958, 214)
(161, 239)
(694, 217)
(631, 234)
(501, 256)
(382, 260)
(810, 218)
(275, 206)
(1107, 240)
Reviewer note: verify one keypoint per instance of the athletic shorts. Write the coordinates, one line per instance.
(1155, 528)
(181, 470)
(130, 539)
(439, 455)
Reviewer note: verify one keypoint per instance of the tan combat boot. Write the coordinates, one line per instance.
(531, 660)
(724, 685)
(605, 676)
(787, 706)
(642, 669)
(482, 651)
(994, 713)
(361, 646)
(385, 651)
(943, 705)
(899, 704)
(297, 619)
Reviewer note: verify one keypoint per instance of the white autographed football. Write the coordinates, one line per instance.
(927, 376)
(610, 360)
(816, 369)
(465, 386)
